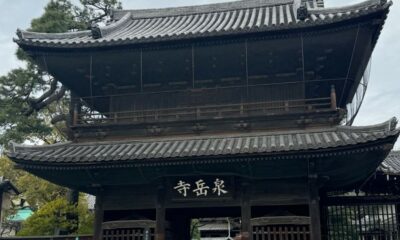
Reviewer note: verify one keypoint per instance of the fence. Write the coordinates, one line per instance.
(281, 228)
(362, 218)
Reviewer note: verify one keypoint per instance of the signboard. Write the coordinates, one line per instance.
(201, 188)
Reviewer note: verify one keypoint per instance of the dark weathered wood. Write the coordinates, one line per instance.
(280, 220)
(1, 201)
(314, 209)
(246, 228)
(160, 214)
(99, 216)
(333, 98)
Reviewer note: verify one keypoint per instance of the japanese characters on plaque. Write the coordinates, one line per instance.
(202, 187)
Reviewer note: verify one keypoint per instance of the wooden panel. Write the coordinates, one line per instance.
(282, 232)
(128, 234)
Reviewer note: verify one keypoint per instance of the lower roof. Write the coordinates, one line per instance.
(181, 148)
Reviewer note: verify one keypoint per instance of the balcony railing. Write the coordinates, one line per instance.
(205, 112)
(85, 116)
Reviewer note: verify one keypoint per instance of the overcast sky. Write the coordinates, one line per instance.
(382, 101)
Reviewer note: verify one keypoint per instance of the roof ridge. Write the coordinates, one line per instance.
(198, 9)
(283, 17)
(389, 125)
(23, 34)
(99, 32)
(352, 7)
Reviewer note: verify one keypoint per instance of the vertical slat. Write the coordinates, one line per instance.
(342, 225)
(394, 226)
(292, 236)
(305, 233)
(298, 231)
(263, 237)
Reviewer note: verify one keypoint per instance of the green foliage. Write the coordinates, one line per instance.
(35, 190)
(15, 89)
(194, 229)
(53, 217)
(33, 107)
(34, 104)
(59, 17)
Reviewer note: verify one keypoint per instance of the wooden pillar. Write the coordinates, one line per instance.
(314, 208)
(160, 214)
(397, 209)
(1, 205)
(99, 217)
(333, 98)
(246, 229)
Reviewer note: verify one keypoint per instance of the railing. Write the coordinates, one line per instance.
(282, 228)
(205, 112)
(85, 116)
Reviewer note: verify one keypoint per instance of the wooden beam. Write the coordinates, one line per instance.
(99, 217)
(246, 229)
(160, 214)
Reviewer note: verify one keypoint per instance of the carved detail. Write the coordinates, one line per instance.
(302, 12)
(154, 130)
(96, 31)
(198, 128)
(242, 125)
(20, 34)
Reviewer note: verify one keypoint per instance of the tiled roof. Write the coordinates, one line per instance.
(240, 17)
(162, 150)
(391, 165)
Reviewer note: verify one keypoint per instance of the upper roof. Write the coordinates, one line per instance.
(240, 17)
(161, 150)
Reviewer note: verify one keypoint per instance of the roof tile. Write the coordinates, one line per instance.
(184, 147)
(138, 26)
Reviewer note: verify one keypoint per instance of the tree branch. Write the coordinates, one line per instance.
(56, 96)
(59, 118)
(53, 88)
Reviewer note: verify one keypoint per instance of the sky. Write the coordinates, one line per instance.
(382, 100)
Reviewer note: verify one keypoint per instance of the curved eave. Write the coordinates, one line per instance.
(317, 18)
(385, 144)
(206, 149)
(342, 167)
